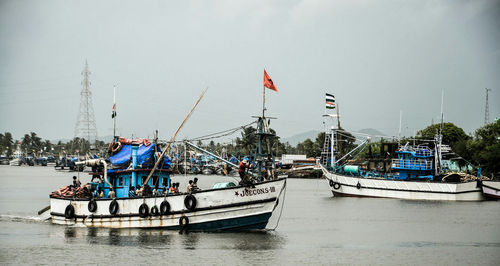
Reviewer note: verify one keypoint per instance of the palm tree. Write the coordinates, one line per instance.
(26, 142)
(36, 142)
(248, 140)
(8, 143)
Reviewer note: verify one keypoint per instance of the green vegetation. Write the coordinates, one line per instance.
(34, 145)
(482, 149)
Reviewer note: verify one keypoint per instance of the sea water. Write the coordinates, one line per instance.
(314, 229)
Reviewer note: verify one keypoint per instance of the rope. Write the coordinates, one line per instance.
(211, 136)
(281, 211)
(224, 133)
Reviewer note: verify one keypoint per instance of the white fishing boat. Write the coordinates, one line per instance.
(417, 174)
(123, 194)
(491, 189)
(225, 208)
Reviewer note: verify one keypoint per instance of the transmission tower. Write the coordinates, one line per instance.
(85, 125)
(487, 109)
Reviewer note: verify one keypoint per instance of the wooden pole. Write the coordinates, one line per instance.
(173, 138)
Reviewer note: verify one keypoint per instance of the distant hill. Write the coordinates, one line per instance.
(374, 134)
(296, 139)
(371, 132)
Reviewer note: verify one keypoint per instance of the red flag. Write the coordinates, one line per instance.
(268, 82)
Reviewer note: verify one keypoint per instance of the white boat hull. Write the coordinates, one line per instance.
(491, 189)
(218, 209)
(15, 162)
(342, 185)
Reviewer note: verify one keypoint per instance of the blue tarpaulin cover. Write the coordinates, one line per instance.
(145, 155)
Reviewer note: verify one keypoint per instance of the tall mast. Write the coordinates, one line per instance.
(400, 121)
(442, 99)
(114, 110)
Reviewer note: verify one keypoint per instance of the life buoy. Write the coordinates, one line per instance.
(183, 222)
(164, 207)
(155, 211)
(336, 185)
(92, 205)
(358, 185)
(190, 202)
(144, 210)
(117, 146)
(69, 212)
(331, 183)
(113, 207)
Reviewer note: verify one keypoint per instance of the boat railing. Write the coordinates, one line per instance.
(419, 149)
(412, 164)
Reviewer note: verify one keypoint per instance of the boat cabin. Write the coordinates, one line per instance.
(414, 162)
(129, 168)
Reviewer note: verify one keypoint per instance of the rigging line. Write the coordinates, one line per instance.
(368, 135)
(281, 211)
(228, 130)
(215, 137)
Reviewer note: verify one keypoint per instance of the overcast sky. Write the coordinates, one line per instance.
(376, 57)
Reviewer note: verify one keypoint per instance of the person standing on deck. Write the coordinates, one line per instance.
(241, 170)
(269, 167)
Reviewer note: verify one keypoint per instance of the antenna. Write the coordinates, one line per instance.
(487, 109)
(85, 125)
(442, 99)
(400, 120)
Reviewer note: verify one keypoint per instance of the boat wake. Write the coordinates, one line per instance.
(18, 218)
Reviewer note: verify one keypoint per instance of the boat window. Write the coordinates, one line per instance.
(120, 181)
(155, 180)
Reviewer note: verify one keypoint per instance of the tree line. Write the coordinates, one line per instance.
(32, 144)
(481, 149)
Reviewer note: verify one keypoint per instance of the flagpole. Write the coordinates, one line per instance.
(263, 100)
(264, 95)
(114, 104)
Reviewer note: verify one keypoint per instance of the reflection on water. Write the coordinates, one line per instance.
(163, 239)
(190, 240)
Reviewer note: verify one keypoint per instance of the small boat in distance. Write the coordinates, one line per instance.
(17, 157)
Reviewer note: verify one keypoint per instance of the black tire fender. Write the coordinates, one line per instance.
(113, 207)
(358, 185)
(331, 183)
(155, 211)
(69, 212)
(183, 222)
(336, 185)
(164, 208)
(190, 202)
(92, 206)
(143, 210)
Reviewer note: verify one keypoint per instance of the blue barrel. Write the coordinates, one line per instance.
(351, 169)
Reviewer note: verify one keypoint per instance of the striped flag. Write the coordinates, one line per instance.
(330, 101)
